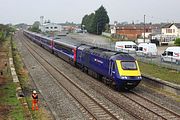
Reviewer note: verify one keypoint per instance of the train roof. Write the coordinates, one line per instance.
(67, 44)
(101, 52)
(39, 35)
(123, 57)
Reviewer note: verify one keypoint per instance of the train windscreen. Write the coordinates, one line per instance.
(129, 65)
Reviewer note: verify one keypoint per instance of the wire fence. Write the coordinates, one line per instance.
(157, 60)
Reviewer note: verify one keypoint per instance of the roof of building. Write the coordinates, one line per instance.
(177, 25)
(134, 26)
(141, 26)
(170, 24)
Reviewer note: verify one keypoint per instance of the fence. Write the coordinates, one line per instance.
(157, 61)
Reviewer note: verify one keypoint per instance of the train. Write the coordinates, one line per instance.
(116, 69)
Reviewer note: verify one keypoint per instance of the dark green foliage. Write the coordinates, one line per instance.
(35, 27)
(177, 42)
(101, 19)
(88, 22)
(5, 31)
(96, 22)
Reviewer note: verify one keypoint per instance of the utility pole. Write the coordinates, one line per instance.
(144, 27)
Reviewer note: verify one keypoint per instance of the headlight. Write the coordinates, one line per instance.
(123, 77)
(139, 77)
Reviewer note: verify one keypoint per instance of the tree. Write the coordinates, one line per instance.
(5, 31)
(84, 22)
(88, 21)
(101, 19)
(95, 22)
(35, 27)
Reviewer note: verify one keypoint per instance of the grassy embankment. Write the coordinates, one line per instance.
(11, 106)
(160, 72)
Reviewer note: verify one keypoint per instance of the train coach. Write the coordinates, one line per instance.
(41, 40)
(65, 51)
(117, 69)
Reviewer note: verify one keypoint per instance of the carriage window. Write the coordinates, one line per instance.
(64, 48)
(126, 65)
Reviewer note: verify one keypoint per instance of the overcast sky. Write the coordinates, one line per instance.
(60, 11)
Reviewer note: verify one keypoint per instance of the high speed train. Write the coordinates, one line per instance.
(117, 69)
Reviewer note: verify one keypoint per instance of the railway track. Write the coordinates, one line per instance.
(90, 106)
(158, 110)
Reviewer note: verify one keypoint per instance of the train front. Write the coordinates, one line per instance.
(128, 74)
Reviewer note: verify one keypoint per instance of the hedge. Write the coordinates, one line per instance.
(177, 42)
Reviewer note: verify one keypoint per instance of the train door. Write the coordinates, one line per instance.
(86, 59)
(111, 69)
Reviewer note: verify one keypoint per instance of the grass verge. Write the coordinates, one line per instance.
(159, 72)
(10, 106)
(11, 102)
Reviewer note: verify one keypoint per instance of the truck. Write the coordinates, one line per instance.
(147, 50)
(171, 54)
(125, 46)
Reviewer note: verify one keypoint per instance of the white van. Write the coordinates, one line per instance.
(147, 49)
(126, 46)
(171, 54)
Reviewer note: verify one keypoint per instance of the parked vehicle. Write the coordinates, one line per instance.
(147, 50)
(116, 69)
(171, 54)
(126, 46)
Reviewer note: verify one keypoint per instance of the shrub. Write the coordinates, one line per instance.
(177, 42)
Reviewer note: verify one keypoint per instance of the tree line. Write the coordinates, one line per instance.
(35, 27)
(5, 31)
(97, 22)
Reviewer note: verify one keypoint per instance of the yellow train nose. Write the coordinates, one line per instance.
(128, 70)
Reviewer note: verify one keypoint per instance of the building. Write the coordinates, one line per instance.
(51, 27)
(113, 29)
(132, 31)
(171, 30)
(48, 26)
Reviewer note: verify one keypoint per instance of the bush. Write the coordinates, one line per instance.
(177, 42)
